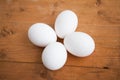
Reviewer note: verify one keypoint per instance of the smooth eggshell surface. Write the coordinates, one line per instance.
(66, 22)
(54, 56)
(79, 44)
(41, 34)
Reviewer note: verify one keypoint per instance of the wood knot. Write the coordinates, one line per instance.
(105, 67)
(8, 15)
(43, 73)
(2, 77)
(21, 9)
(2, 54)
(100, 12)
(53, 8)
(5, 32)
(107, 17)
(98, 3)
(56, 4)
(53, 12)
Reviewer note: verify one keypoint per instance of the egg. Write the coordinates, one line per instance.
(79, 44)
(65, 23)
(41, 34)
(54, 56)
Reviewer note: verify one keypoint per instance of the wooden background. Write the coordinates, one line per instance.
(21, 60)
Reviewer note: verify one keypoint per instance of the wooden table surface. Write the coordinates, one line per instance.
(21, 60)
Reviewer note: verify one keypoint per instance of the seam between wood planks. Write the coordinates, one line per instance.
(64, 65)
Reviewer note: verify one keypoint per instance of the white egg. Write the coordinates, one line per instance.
(79, 44)
(66, 22)
(54, 56)
(41, 34)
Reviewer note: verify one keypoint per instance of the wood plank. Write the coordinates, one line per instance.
(46, 11)
(22, 50)
(28, 71)
(21, 60)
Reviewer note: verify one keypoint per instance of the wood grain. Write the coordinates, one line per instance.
(21, 60)
(25, 71)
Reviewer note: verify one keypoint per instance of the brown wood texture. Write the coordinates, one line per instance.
(21, 60)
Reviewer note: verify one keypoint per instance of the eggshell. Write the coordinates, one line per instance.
(41, 34)
(66, 22)
(79, 44)
(54, 56)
